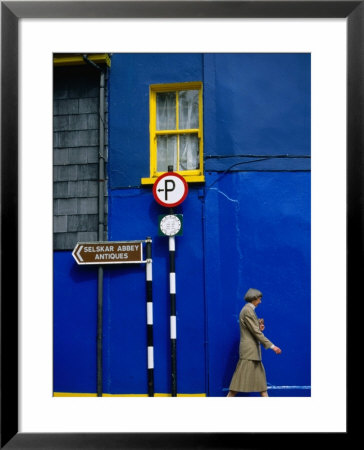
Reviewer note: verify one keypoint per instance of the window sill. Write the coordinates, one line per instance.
(188, 178)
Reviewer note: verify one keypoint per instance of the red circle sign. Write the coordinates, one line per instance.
(170, 189)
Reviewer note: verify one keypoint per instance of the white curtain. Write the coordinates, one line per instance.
(188, 152)
(166, 111)
(188, 114)
(188, 118)
(166, 152)
(188, 109)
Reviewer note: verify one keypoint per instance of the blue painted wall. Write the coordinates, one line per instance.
(254, 104)
(130, 78)
(257, 104)
(134, 215)
(74, 325)
(258, 227)
(248, 226)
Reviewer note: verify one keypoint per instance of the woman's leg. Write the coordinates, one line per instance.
(264, 394)
(232, 393)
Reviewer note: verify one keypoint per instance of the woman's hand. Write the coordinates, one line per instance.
(261, 324)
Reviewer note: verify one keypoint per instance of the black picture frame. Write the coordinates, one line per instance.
(11, 12)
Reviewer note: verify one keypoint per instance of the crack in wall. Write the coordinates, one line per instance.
(238, 239)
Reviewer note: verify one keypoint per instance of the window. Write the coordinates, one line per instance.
(176, 131)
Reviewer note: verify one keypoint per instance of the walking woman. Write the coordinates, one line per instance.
(249, 375)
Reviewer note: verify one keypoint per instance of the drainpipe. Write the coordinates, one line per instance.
(101, 218)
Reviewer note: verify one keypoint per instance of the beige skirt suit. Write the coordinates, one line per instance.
(249, 375)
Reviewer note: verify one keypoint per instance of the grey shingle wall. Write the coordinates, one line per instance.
(75, 156)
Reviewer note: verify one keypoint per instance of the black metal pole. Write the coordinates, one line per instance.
(101, 217)
(173, 319)
(149, 276)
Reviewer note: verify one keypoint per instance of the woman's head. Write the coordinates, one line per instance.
(252, 294)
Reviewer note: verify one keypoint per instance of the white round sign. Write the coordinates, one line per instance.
(170, 225)
(170, 189)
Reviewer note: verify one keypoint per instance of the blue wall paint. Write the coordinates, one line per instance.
(260, 224)
(262, 104)
(130, 77)
(256, 233)
(74, 325)
(134, 215)
(253, 104)
(250, 229)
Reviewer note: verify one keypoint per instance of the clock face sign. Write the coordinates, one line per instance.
(171, 225)
(170, 189)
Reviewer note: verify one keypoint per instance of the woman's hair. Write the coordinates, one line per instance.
(252, 294)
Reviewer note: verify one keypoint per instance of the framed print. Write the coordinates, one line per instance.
(151, 92)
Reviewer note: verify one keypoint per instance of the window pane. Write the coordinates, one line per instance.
(166, 111)
(188, 109)
(166, 152)
(188, 152)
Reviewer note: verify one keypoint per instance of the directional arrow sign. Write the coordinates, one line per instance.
(170, 189)
(125, 252)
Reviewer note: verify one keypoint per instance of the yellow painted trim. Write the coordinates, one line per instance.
(189, 179)
(75, 60)
(72, 394)
(191, 395)
(192, 176)
(152, 130)
(177, 127)
(75, 394)
(180, 395)
(183, 131)
(125, 395)
(201, 130)
(170, 87)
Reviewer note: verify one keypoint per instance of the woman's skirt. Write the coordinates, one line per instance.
(249, 376)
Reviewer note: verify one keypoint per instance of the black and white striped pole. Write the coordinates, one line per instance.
(173, 321)
(150, 345)
(170, 190)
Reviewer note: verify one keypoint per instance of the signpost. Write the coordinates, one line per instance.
(170, 190)
(130, 252)
(120, 252)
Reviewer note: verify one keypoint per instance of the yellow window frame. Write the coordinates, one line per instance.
(192, 176)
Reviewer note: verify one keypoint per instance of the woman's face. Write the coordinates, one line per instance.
(257, 301)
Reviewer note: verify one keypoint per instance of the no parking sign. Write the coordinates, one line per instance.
(170, 189)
